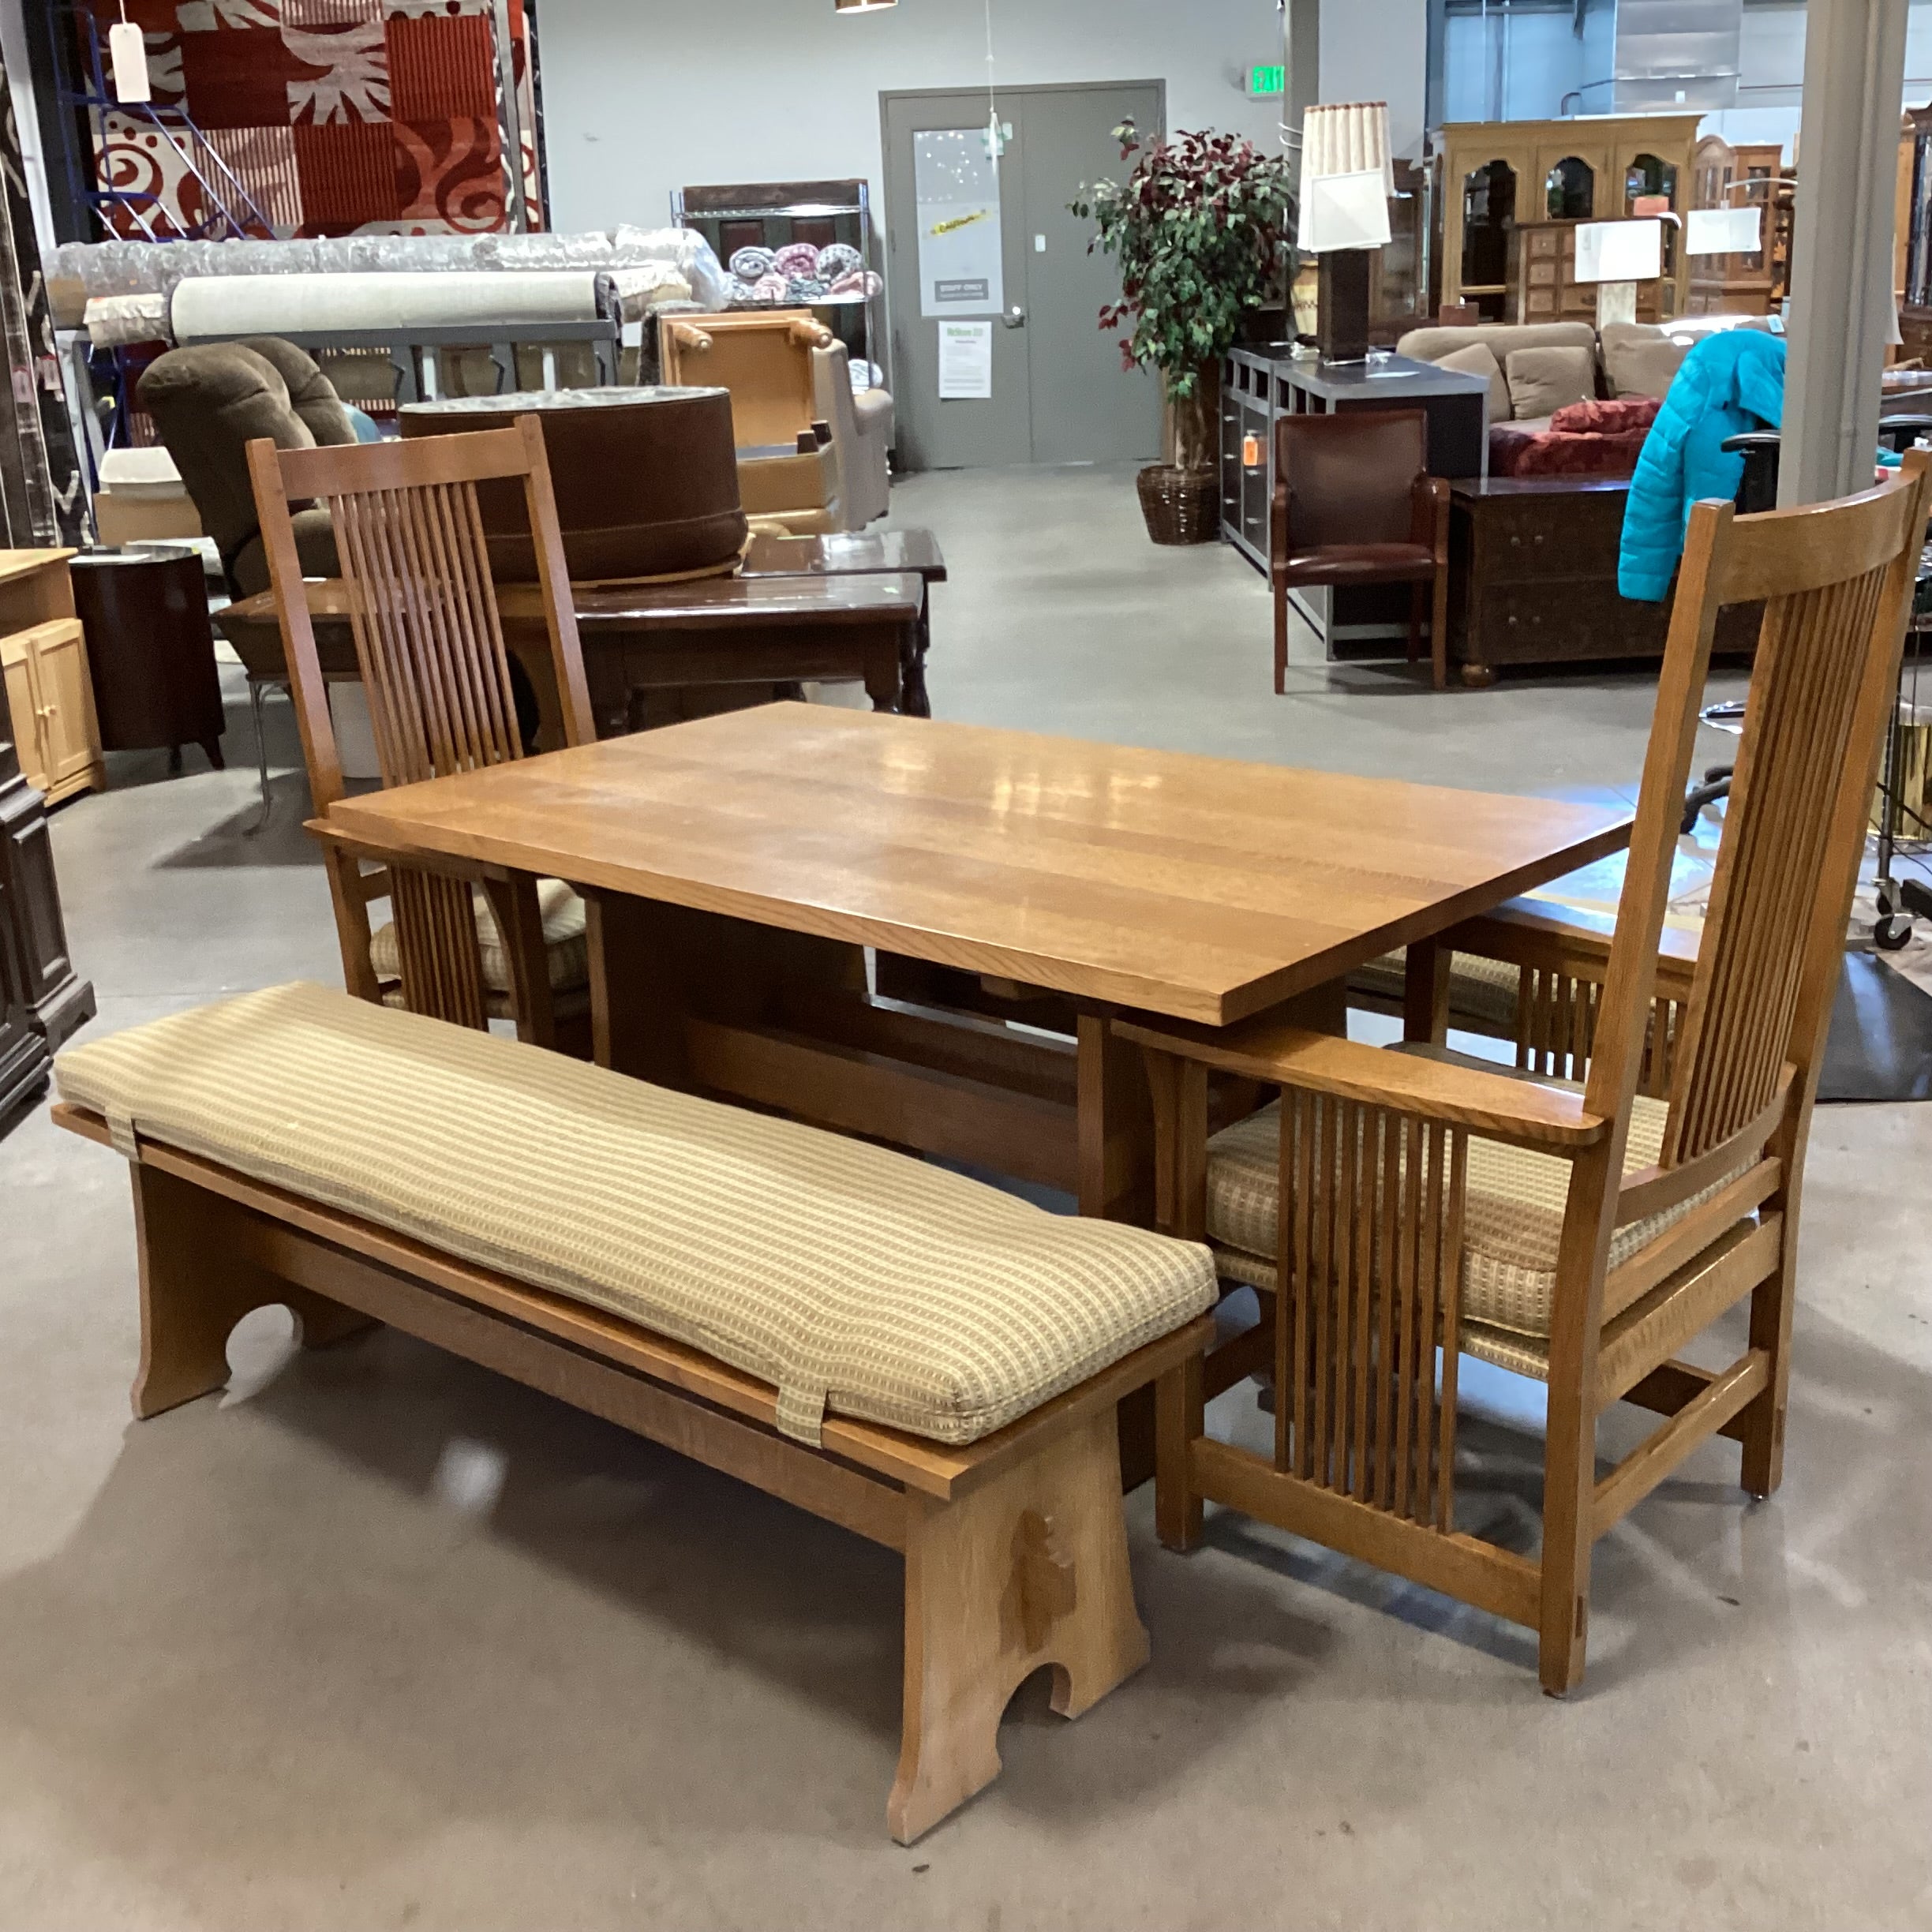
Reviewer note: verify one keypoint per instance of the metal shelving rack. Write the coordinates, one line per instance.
(709, 208)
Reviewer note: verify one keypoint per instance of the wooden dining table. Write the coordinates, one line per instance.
(737, 867)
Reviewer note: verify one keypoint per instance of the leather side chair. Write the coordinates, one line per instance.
(1355, 503)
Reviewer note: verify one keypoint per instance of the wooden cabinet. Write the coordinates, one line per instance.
(42, 1001)
(1533, 565)
(50, 696)
(1749, 177)
(1497, 174)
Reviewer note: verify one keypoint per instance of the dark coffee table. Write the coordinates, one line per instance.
(860, 553)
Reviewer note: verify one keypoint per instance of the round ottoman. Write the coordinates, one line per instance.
(646, 480)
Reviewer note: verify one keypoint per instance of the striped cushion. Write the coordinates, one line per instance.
(849, 1276)
(1512, 1215)
(569, 949)
(1482, 992)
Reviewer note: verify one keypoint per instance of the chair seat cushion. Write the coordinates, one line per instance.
(1482, 992)
(1367, 563)
(1512, 1215)
(564, 939)
(847, 1275)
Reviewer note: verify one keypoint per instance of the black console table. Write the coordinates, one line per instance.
(1259, 384)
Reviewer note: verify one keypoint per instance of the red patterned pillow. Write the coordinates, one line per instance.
(1607, 418)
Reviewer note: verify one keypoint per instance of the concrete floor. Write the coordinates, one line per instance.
(377, 1640)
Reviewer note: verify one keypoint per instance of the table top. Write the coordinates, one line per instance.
(1393, 376)
(698, 604)
(846, 553)
(1196, 888)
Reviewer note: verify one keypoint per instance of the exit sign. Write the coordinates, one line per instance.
(1265, 82)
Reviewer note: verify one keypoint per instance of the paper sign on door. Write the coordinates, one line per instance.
(965, 362)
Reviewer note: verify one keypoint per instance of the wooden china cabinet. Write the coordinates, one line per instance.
(41, 999)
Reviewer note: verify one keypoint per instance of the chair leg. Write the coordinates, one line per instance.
(1439, 627)
(1569, 1503)
(1763, 1462)
(1178, 1422)
(257, 691)
(1281, 638)
(1415, 621)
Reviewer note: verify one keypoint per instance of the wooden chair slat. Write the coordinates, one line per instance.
(423, 612)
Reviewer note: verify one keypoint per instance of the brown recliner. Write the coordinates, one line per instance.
(646, 480)
(1355, 503)
(208, 402)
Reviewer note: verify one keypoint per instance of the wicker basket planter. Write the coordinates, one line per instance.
(1181, 506)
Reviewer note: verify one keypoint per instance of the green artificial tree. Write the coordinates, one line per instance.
(1199, 228)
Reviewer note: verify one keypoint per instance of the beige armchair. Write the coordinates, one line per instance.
(862, 434)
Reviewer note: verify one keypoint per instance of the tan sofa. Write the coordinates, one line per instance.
(1633, 359)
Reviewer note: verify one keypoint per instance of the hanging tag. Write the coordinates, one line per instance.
(129, 52)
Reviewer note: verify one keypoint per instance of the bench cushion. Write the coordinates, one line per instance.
(849, 1276)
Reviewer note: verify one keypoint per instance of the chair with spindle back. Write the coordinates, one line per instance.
(1580, 1234)
(430, 639)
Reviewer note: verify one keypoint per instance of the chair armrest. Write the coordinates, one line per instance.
(1532, 932)
(1500, 1106)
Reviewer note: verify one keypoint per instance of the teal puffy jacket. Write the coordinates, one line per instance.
(1729, 382)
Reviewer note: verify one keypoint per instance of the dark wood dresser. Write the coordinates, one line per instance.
(42, 1000)
(1532, 569)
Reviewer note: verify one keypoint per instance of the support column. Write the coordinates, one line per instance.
(1841, 250)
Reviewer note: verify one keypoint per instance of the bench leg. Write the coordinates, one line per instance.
(192, 1293)
(1030, 1568)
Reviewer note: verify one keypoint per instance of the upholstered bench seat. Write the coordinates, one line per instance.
(850, 1277)
(925, 1361)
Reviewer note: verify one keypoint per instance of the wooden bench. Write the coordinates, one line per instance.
(1015, 1545)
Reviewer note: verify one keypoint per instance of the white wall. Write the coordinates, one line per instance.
(641, 95)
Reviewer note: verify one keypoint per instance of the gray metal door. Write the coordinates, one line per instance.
(1058, 393)
(1085, 407)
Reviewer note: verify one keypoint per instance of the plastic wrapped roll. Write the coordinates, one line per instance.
(220, 306)
(769, 288)
(113, 319)
(838, 260)
(748, 265)
(805, 290)
(796, 258)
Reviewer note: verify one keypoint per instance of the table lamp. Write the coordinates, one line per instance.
(1616, 255)
(1346, 181)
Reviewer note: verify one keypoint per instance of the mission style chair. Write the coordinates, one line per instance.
(429, 640)
(1581, 1234)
